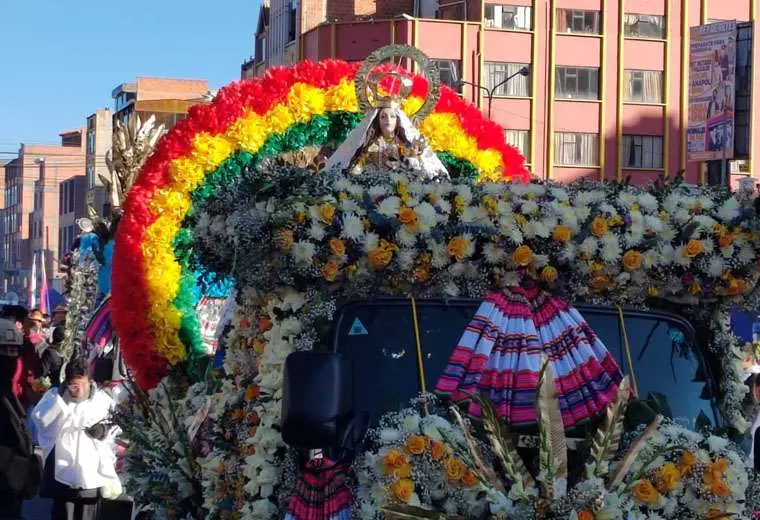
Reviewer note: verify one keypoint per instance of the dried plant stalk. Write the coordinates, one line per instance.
(624, 466)
(486, 470)
(606, 440)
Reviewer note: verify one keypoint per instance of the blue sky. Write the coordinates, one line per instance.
(60, 59)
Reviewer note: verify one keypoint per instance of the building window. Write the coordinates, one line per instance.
(292, 20)
(577, 83)
(450, 71)
(72, 195)
(576, 149)
(579, 21)
(261, 49)
(520, 139)
(642, 151)
(643, 86)
(517, 86)
(644, 26)
(512, 17)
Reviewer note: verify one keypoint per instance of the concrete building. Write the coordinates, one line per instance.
(167, 99)
(72, 204)
(98, 142)
(31, 198)
(607, 96)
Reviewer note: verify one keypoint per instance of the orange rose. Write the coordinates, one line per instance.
(693, 248)
(252, 392)
(299, 217)
(264, 324)
(408, 217)
(416, 444)
(457, 247)
(736, 287)
(599, 227)
(455, 469)
(720, 465)
(687, 461)
(379, 258)
(326, 213)
(599, 282)
(668, 477)
(337, 247)
(725, 239)
(585, 515)
(437, 450)
(549, 274)
(562, 233)
(402, 490)
(402, 471)
(643, 491)
(632, 260)
(330, 271)
(470, 479)
(392, 460)
(284, 239)
(522, 256)
(421, 274)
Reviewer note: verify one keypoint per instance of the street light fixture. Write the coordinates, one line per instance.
(524, 71)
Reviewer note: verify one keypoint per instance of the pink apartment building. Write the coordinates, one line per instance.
(607, 92)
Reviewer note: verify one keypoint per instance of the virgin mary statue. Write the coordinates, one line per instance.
(386, 138)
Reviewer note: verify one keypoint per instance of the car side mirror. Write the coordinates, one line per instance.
(317, 400)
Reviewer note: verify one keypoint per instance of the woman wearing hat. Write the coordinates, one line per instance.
(77, 442)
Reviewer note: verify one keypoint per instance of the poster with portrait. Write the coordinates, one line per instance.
(712, 86)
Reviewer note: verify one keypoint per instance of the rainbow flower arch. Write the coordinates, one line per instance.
(154, 284)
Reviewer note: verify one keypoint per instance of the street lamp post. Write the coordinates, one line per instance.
(524, 71)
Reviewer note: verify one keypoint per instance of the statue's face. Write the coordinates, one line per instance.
(388, 121)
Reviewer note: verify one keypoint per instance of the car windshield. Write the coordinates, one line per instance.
(378, 337)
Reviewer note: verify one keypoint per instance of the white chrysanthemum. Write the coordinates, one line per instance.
(350, 206)
(439, 254)
(353, 228)
(626, 199)
(406, 258)
(607, 208)
(681, 216)
(445, 206)
(377, 191)
(582, 213)
(729, 210)
(706, 202)
(303, 252)
(680, 258)
(371, 241)
(493, 255)
(536, 228)
(568, 253)
(611, 250)
(317, 231)
(746, 254)
(464, 191)
(492, 188)
(559, 193)
(508, 227)
(653, 223)
(715, 266)
(451, 289)
(648, 202)
(589, 246)
(426, 217)
(671, 203)
(705, 221)
(540, 261)
(405, 237)
(529, 207)
(389, 207)
(667, 233)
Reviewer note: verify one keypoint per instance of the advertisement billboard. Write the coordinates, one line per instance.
(712, 87)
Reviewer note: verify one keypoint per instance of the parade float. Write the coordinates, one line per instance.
(378, 226)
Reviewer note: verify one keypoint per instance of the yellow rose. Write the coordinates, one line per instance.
(653, 291)
(408, 217)
(632, 260)
(326, 213)
(330, 271)
(402, 471)
(522, 256)
(393, 459)
(736, 287)
(402, 490)
(693, 248)
(284, 239)
(337, 247)
(643, 491)
(490, 204)
(458, 247)
(599, 227)
(455, 469)
(562, 233)
(668, 477)
(299, 217)
(437, 450)
(695, 289)
(416, 444)
(549, 274)
(379, 258)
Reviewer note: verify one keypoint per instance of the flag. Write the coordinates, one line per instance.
(33, 284)
(99, 331)
(44, 292)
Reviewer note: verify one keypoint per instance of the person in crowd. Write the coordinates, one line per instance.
(59, 316)
(51, 359)
(20, 467)
(77, 442)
